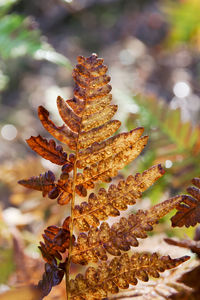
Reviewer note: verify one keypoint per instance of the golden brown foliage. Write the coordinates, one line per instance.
(56, 241)
(109, 203)
(119, 273)
(189, 210)
(96, 155)
(120, 236)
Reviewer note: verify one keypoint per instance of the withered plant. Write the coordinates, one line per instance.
(97, 154)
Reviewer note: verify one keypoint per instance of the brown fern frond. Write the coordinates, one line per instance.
(109, 203)
(115, 144)
(44, 182)
(48, 149)
(87, 130)
(56, 241)
(47, 183)
(120, 236)
(110, 166)
(52, 276)
(119, 273)
(189, 210)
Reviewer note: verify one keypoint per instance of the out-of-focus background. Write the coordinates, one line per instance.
(152, 49)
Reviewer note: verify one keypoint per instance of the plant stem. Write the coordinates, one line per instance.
(71, 227)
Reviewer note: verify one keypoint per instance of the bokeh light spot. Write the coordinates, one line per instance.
(168, 163)
(181, 89)
(9, 132)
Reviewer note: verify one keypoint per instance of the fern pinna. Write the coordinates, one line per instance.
(96, 155)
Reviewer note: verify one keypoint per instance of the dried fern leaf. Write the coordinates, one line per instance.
(189, 210)
(98, 134)
(120, 236)
(69, 117)
(108, 203)
(113, 145)
(43, 182)
(194, 246)
(63, 133)
(48, 149)
(119, 273)
(56, 241)
(87, 130)
(62, 189)
(99, 118)
(110, 166)
(52, 276)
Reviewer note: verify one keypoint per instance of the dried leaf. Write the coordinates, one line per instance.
(48, 149)
(56, 241)
(63, 133)
(113, 145)
(119, 273)
(98, 134)
(43, 182)
(189, 210)
(52, 276)
(120, 236)
(109, 167)
(105, 204)
(69, 117)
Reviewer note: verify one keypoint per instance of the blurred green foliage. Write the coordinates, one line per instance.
(18, 37)
(184, 19)
(7, 266)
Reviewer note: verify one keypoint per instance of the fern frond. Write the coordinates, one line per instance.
(48, 150)
(56, 241)
(189, 210)
(120, 236)
(43, 182)
(115, 144)
(52, 276)
(87, 130)
(109, 203)
(119, 273)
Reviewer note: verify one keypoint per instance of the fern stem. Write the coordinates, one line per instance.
(71, 228)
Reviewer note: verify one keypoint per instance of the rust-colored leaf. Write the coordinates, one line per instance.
(110, 166)
(56, 241)
(43, 182)
(48, 149)
(69, 117)
(63, 133)
(98, 134)
(189, 210)
(119, 273)
(105, 204)
(108, 148)
(98, 155)
(52, 276)
(121, 235)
